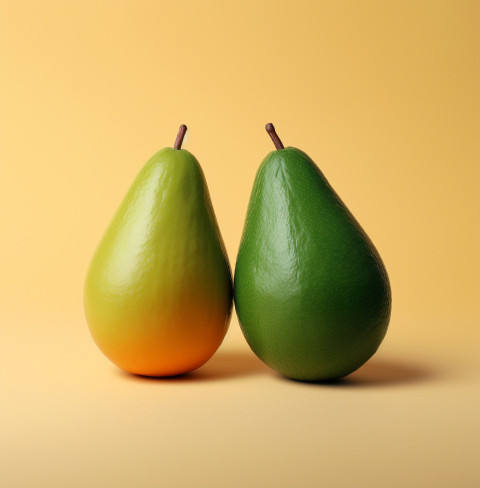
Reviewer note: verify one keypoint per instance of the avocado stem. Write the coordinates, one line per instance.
(180, 136)
(276, 140)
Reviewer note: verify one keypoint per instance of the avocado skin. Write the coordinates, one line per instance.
(311, 292)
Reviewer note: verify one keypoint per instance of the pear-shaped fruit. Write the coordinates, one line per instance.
(311, 292)
(158, 293)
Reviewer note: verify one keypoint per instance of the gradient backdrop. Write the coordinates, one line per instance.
(383, 95)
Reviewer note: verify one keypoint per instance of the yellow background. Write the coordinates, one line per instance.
(384, 96)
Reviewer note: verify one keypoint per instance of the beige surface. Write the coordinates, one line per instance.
(382, 95)
(408, 418)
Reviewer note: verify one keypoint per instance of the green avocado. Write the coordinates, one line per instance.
(311, 291)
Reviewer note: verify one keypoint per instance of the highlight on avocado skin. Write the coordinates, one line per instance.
(158, 293)
(311, 292)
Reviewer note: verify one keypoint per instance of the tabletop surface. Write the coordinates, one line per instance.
(409, 417)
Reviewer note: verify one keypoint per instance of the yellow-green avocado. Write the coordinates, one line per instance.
(158, 292)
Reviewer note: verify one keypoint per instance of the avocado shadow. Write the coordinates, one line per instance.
(382, 372)
(223, 365)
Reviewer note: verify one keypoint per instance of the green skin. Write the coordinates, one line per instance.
(158, 292)
(311, 292)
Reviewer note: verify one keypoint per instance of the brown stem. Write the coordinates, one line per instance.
(180, 136)
(276, 140)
